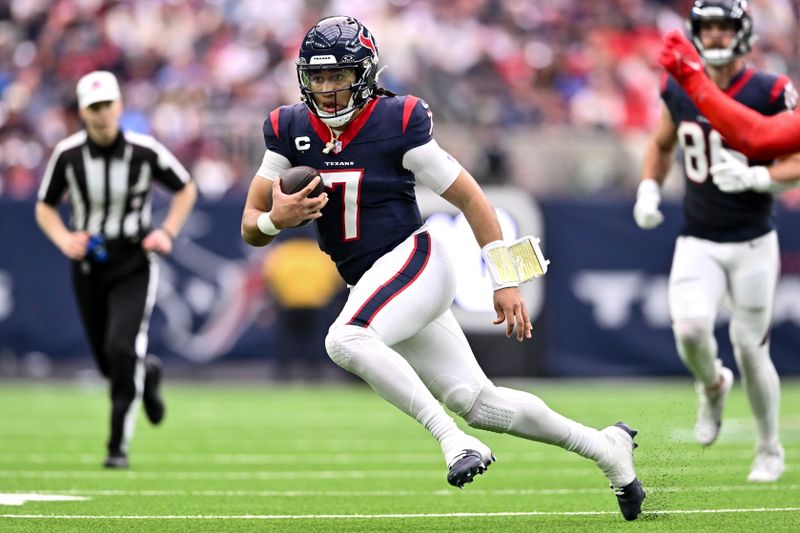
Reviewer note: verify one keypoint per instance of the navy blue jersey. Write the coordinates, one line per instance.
(708, 212)
(372, 206)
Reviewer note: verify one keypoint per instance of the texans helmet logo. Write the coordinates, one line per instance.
(366, 40)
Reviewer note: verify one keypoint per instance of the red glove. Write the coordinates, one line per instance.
(680, 58)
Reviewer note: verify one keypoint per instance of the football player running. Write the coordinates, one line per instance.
(728, 247)
(396, 330)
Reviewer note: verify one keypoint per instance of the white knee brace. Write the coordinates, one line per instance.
(491, 411)
(338, 341)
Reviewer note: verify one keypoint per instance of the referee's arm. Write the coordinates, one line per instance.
(160, 239)
(71, 243)
(182, 204)
(171, 173)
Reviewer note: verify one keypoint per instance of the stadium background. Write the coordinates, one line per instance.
(552, 99)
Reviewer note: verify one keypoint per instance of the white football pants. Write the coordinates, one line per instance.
(705, 273)
(397, 333)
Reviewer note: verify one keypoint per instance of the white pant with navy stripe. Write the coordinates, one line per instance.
(397, 333)
(404, 300)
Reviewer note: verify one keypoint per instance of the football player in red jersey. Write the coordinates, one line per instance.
(396, 330)
(728, 247)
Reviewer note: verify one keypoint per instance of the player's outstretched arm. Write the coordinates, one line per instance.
(466, 194)
(748, 131)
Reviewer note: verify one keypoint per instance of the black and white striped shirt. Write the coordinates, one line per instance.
(109, 186)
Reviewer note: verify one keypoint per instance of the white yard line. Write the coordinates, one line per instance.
(19, 498)
(321, 474)
(277, 458)
(381, 516)
(400, 493)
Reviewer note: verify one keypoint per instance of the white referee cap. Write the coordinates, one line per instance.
(97, 86)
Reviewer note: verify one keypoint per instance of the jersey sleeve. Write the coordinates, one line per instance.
(432, 166)
(167, 170)
(54, 181)
(274, 139)
(417, 122)
(758, 137)
(272, 165)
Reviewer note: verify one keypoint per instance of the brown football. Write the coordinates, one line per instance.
(296, 178)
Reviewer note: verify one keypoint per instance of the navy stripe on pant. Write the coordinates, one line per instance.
(407, 274)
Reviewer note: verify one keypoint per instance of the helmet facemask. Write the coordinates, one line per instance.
(731, 13)
(360, 90)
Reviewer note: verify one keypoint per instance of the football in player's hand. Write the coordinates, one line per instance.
(295, 180)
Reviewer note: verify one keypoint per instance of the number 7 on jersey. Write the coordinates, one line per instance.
(348, 184)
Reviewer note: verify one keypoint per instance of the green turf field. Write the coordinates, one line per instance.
(277, 458)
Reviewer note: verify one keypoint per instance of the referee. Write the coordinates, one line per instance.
(108, 176)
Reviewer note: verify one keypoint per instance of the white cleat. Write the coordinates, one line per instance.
(456, 446)
(467, 458)
(768, 465)
(618, 467)
(617, 464)
(709, 412)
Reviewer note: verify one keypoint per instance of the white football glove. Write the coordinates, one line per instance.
(733, 175)
(646, 211)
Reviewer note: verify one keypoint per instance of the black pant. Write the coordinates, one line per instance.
(115, 307)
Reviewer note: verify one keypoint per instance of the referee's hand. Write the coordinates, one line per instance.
(74, 245)
(158, 241)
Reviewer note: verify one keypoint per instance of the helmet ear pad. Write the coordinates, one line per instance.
(336, 43)
(735, 11)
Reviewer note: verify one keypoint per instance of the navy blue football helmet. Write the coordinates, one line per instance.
(737, 12)
(339, 43)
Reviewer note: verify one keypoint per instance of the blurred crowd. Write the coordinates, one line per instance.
(201, 75)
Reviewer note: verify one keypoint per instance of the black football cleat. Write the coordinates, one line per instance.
(116, 460)
(151, 398)
(467, 465)
(631, 496)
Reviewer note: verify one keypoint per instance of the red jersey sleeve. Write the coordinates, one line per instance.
(757, 136)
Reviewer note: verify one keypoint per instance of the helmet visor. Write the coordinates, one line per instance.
(331, 89)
